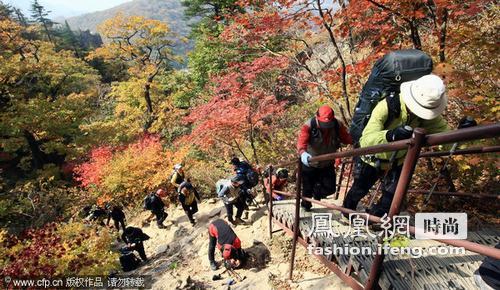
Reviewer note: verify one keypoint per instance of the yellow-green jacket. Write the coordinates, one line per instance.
(375, 131)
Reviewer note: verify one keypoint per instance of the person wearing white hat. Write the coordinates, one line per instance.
(421, 103)
(177, 176)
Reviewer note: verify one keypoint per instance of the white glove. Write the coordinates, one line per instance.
(304, 157)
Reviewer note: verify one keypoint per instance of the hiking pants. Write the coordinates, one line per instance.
(119, 222)
(317, 183)
(190, 210)
(160, 216)
(365, 176)
(211, 248)
(139, 247)
(240, 206)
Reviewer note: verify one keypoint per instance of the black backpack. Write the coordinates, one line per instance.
(129, 261)
(314, 130)
(252, 178)
(384, 82)
(148, 202)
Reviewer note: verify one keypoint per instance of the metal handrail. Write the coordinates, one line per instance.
(414, 146)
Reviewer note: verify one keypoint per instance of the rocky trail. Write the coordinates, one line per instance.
(178, 254)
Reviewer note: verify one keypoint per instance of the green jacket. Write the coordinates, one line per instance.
(375, 131)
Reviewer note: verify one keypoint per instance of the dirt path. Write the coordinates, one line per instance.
(179, 255)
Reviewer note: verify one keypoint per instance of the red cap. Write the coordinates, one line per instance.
(226, 254)
(325, 117)
(160, 192)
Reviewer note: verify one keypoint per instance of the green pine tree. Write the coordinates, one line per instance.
(39, 15)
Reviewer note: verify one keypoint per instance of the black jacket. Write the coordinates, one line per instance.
(133, 235)
(116, 213)
(156, 203)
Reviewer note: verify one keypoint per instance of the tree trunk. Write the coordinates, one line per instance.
(415, 36)
(47, 32)
(149, 104)
(37, 156)
(442, 36)
(339, 55)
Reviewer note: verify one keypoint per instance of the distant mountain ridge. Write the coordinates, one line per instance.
(169, 11)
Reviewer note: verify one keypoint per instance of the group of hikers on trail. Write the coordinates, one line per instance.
(401, 94)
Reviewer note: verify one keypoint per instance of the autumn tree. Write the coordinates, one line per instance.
(145, 44)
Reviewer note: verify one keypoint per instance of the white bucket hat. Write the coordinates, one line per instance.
(425, 97)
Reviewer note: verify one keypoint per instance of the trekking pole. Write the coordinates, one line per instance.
(391, 162)
(233, 274)
(441, 171)
(465, 122)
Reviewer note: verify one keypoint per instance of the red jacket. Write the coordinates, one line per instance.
(225, 235)
(305, 134)
(276, 183)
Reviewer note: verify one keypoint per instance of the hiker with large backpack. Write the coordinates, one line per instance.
(134, 238)
(246, 171)
(188, 197)
(279, 180)
(322, 134)
(233, 194)
(414, 103)
(222, 235)
(155, 204)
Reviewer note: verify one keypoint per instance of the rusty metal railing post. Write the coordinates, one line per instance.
(349, 176)
(341, 176)
(270, 209)
(409, 165)
(296, 222)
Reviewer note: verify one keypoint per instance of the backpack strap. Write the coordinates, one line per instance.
(394, 108)
(314, 128)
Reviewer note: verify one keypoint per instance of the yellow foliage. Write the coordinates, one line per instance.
(141, 167)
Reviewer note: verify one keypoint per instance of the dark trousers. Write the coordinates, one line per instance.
(190, 210)
(211, 248)
(139, 247)
(365, 176)
(240, 206)
(160, 216)
(119, 222)
(317, 183)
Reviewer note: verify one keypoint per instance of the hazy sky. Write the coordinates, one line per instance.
(68, 8)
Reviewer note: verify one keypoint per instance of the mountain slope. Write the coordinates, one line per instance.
(170, 11)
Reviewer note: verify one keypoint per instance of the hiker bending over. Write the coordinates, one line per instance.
(178, 176)
(322, 134)
(188, 197)
(222, 235)
(420, 103)
(116, 213)
(155, 204)
(134, 238)
(278, 182)
(97, 215)
(232, 194)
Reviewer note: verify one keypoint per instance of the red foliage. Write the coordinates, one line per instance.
(89, 173)
(239, 105)
(42, 243)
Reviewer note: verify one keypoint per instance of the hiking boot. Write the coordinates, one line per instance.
(193, 222)
(161, 226)
(213, 266)
(240, 221)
